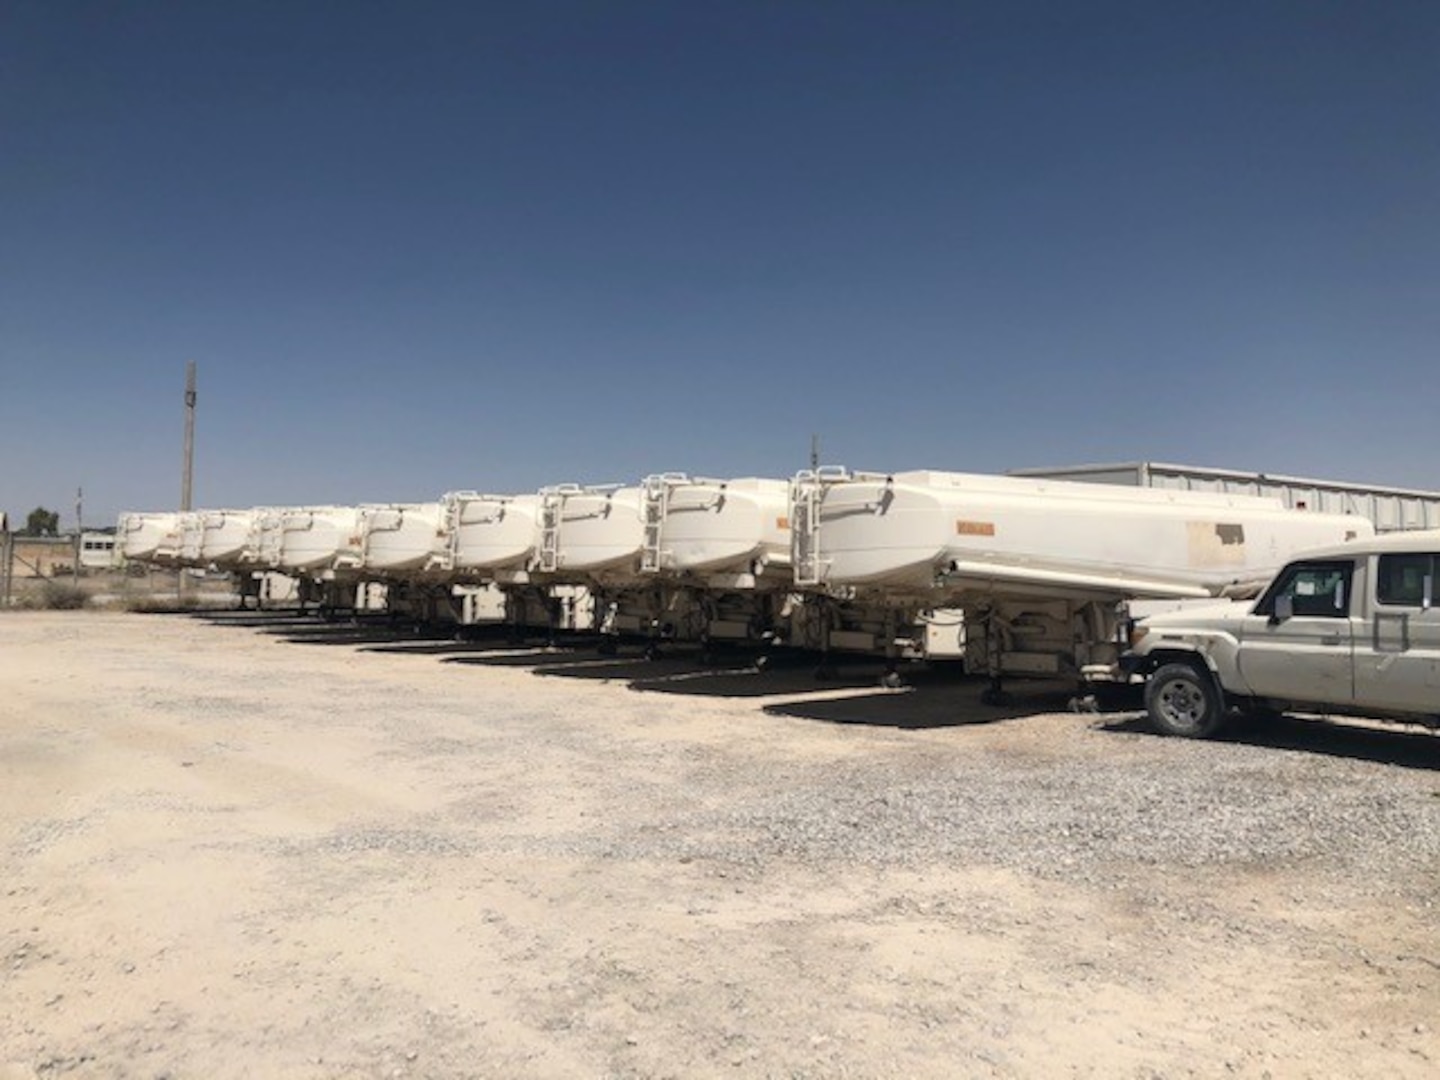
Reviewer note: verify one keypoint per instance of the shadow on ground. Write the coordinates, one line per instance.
(949, 700)
(1407, 747)
(311, 630)
(932, 695)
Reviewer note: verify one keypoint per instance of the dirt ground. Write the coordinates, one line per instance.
(240, 848)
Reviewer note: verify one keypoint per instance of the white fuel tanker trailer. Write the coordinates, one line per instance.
(490, 544)
(718, 553)
(141, 536)
(591, 537)
(398, 548)
(319, 546)
(1041, 569)
(227, 541)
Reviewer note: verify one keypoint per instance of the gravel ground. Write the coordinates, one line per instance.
(240, 846)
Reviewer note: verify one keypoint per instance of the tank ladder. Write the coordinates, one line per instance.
(654, 505)
(552, 510)
(805, 494)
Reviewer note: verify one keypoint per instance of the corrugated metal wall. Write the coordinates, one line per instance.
(1391, 509)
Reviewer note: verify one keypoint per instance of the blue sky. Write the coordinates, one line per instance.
(418, 247)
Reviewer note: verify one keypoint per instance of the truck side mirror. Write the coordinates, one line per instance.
(1427, 593)
(1284, 608)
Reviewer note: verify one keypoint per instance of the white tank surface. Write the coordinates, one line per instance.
(140, 535)
(401, 537)
(972, 534)
(320, 539)
(170, 550)
(265, 538)
(191, 534)
(703, 526)
(223, 537)
(590, 531)
(487, 534)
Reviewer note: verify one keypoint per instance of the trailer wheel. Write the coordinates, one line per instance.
(1182, 700)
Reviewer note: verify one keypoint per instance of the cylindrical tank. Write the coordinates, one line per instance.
(711, 526)
(400, 537)
(598, 529)
(321, 538)
(491, 532)
(140, 535)
(912, 529)
(224, 536)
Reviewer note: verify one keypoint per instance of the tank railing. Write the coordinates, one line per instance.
(477, 496)
(581, 489)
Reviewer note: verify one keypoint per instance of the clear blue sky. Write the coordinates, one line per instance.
(417, 246)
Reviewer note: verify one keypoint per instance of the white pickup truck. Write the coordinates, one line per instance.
(1349, 629)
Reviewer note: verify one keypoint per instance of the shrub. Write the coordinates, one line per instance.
(56, 596)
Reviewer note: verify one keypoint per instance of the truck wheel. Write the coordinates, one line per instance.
(1182, 700)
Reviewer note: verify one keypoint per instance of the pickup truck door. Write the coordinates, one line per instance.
(1397, 643)
(1298, 644)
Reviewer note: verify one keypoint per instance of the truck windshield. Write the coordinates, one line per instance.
(1316, 589)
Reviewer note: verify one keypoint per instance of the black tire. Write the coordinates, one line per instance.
(1185, 701)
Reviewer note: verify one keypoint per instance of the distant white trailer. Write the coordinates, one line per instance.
(1038, 567)
(1390, 509)
(98, 550)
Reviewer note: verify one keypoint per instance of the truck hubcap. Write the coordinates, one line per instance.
(1182, 703)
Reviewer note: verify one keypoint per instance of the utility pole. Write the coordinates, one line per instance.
(79, 529)
(7, 560)
(187, 476)
(188, 473)
(814, 452)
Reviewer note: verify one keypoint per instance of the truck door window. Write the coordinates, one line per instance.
(1315, 589)
(1401, 579)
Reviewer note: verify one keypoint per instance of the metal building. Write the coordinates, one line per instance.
(1391, 509)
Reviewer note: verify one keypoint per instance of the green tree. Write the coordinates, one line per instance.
(42, 522)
